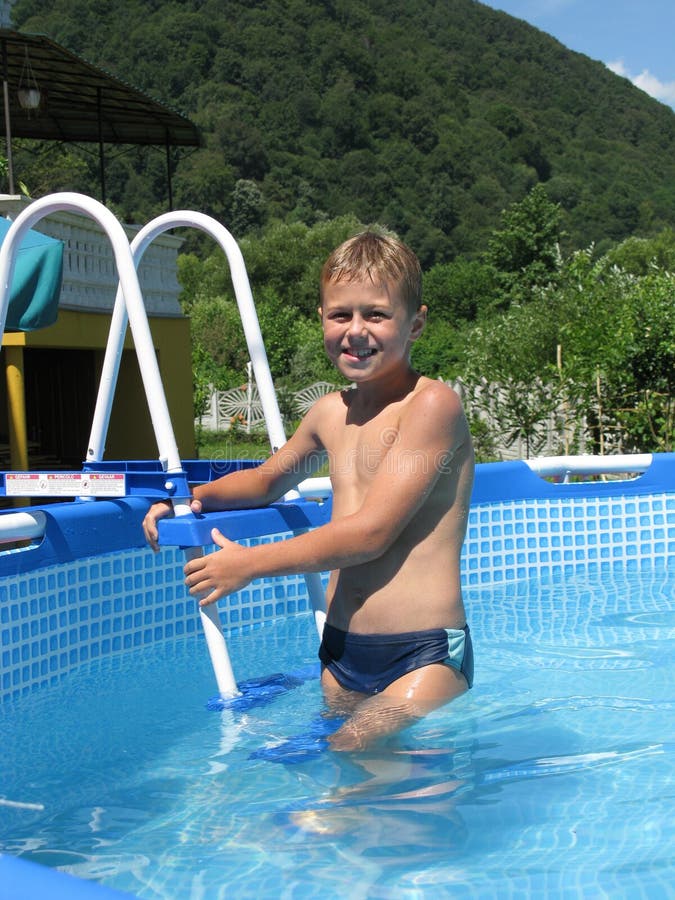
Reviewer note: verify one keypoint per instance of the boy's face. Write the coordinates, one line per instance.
(368, 329)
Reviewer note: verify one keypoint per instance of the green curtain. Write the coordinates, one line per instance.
(36, 285)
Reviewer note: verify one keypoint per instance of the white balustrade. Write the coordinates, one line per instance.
(89, 273)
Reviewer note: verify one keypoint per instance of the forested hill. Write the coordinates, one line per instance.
(429, 116)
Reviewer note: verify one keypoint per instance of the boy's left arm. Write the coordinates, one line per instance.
(431, 430)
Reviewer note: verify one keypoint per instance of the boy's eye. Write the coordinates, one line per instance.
(374, 315)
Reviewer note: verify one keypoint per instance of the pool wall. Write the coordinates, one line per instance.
(523, 527)
(55, 616)
(91, 588)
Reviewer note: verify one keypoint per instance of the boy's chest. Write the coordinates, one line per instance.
(357, 451)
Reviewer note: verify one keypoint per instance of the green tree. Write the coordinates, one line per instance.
(651, 420)
(639, 255)
(205, 182)
(509, 365)
(599, 345)
(287, 258)
(46, 167)
(248, 207)
(441, 350)
(277, 324)
(588, 309)
(219, 346)
(524, 251)
(429, 119)
(456, 291)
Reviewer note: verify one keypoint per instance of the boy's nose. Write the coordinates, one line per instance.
(357, 326)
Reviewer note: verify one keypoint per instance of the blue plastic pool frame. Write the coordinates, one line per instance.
(54, 611)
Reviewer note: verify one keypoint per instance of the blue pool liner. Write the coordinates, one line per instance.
(23, 880)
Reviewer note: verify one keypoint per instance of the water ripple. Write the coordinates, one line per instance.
(561, 765)
(576, 702)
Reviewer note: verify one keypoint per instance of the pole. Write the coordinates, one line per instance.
(168, 170)
(101, 148)
(8, 127)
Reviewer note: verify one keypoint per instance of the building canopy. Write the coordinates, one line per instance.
(79, 102)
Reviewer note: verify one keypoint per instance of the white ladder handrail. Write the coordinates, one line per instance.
(247, 311)
(210, 618)
(273, 420)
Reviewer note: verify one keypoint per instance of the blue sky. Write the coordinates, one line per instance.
(634, 38)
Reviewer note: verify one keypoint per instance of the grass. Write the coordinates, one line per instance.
(236, 445)
(232, 444)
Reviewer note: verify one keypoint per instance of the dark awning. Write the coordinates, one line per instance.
(81, 102)
(36, 284)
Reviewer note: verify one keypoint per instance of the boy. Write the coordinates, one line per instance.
(395, 643)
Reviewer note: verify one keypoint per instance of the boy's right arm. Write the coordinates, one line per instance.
(299, 458)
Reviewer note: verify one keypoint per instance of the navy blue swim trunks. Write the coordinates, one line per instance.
(368, 663)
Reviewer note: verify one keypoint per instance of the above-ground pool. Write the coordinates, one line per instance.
(552, 777)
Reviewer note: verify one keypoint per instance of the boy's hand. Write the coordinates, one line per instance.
(217, 574)
(158, 511)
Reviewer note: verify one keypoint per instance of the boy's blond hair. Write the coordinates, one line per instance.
(382, 258)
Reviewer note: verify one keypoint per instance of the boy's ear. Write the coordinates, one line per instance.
(418, 323)
(320, 312)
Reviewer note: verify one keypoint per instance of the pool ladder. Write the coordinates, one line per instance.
(129, 310)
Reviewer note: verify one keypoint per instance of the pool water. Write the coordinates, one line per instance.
(552, 777)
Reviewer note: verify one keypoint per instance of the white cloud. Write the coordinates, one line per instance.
(650, 84)
(618, 68)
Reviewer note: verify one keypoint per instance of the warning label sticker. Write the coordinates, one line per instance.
(65, 484)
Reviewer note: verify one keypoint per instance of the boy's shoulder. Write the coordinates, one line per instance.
(435, 386)
(432, 394)
(433, 412)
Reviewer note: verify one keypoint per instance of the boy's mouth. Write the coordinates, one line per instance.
(360, 354)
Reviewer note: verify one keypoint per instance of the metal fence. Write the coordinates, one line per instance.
(561, 432)
(241, 406)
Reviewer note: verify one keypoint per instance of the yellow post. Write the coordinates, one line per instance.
(16, 410)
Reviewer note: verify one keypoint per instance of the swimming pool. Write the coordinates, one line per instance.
(553, 776)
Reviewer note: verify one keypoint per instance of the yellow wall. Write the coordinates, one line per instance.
(130, 435)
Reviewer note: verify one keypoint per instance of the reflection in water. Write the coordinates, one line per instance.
(551, 777)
